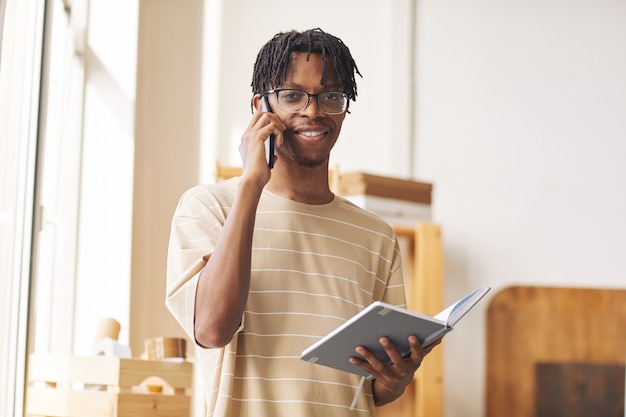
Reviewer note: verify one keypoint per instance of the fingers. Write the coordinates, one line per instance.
(265, 122)
(252, 146)
(401, 369)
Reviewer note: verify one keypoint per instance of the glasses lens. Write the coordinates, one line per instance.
(330, 102)
(292, 100)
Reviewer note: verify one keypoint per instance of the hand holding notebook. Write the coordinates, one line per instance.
(381, 319)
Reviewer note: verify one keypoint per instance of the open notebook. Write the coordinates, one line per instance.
(381, 319)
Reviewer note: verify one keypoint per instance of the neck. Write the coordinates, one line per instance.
(308, 185)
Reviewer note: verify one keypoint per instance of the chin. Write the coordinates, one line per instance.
(309, 162)
(305, 161)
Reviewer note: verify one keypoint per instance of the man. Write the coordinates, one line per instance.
(263, 265)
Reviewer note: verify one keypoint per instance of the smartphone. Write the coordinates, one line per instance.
(265, 106)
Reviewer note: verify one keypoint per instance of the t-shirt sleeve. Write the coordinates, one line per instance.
(395, 290)
(194, 230)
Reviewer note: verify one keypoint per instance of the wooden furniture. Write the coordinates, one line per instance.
(405, 203)
(556, 352)
(401, 189)
(224, 172)
(423, 264)
(107, 386)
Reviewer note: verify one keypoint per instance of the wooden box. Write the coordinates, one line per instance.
(355, 183)
(103, 386)
(401, 202)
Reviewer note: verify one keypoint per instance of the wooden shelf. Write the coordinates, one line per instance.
(356, 183)
(103, 386)
(424, 277)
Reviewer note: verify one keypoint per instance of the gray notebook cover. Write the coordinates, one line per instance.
(381, 319)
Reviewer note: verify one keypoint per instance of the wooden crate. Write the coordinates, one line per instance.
(355, 183)
(101, 386)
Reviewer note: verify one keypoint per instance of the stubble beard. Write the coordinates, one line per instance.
(308, 162)
(305, 161)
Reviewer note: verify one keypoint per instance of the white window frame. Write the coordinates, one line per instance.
(20, 69)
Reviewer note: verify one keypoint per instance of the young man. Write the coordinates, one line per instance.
(263, 265)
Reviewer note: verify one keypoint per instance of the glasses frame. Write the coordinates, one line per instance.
(308, 100)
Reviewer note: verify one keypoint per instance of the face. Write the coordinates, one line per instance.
(310, 133)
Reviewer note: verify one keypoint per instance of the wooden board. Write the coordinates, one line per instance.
(424, 276)
(529, 327)
(579, 390)
(104, 386)
(356, 183)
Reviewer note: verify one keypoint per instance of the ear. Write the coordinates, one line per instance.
(255, 103)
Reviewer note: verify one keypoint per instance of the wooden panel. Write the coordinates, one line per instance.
(424, 287)
(107, 370)
(104, 386)
(579, 390)
(224, 172)
(74, 403)
(356, 183)
(428, 296)
(527, 326)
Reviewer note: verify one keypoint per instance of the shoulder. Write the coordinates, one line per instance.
(224, 187)
(362, 216)
(203, 196)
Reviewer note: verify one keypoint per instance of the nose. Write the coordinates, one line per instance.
(312, 108)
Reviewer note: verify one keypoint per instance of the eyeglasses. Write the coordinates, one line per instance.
(294, 101)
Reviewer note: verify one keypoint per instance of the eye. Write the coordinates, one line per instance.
(291, 96)
(332, 96)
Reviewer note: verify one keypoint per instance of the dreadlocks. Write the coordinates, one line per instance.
(272, 62)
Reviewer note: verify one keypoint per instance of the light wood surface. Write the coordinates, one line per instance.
(356, 183)
(531, 329)
(424, 276)
(224, 172)
(101, 386)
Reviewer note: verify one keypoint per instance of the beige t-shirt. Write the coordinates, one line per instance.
(313, 267)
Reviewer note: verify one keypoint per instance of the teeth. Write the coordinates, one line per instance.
(311, 134)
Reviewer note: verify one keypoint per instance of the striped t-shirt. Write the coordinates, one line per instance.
(313, 267)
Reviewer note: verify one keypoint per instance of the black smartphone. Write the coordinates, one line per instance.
(265, 106)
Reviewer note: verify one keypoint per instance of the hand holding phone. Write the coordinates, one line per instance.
(265, 106)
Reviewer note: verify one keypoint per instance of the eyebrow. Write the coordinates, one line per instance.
(327, 87)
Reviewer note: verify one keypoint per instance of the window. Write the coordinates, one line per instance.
(20, 64)
(66, 169)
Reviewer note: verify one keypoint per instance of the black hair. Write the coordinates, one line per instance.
(272, 62)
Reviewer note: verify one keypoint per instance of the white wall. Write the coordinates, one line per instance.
(103, 265)
(519, 121)
(521, 126)
(378, 35)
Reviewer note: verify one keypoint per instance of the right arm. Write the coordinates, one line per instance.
(224, 282)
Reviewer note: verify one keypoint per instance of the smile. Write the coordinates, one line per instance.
(311, 134)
